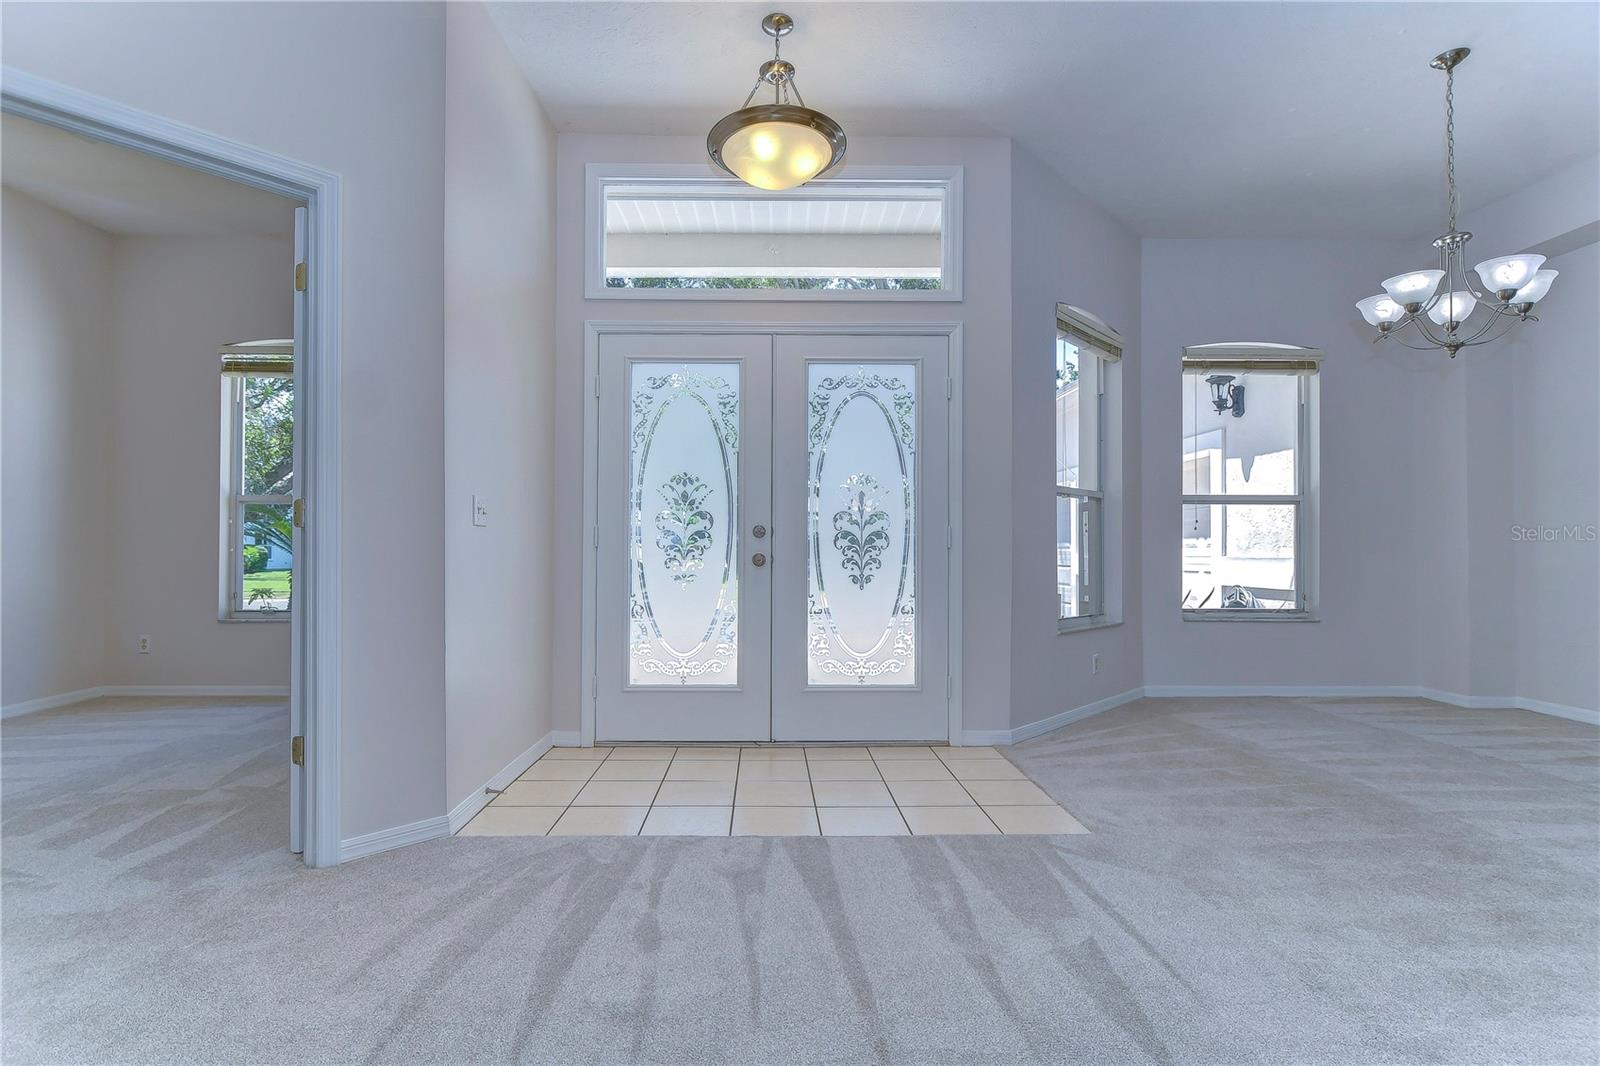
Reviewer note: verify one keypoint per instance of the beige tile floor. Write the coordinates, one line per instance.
(651, 790)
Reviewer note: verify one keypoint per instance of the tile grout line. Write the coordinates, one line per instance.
(811, 786)
(974, 799)
(653, 797)
(733, 800)
(581, 787)
(892, 797)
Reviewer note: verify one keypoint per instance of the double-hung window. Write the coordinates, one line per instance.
(1248, 481)
(258, 480)
(1086, 349)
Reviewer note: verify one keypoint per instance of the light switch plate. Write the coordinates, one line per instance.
(480, 510)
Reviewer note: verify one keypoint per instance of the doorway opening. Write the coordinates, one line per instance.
(207, 242)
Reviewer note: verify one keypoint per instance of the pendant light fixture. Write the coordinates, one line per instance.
(1447, 297)
(780, 144)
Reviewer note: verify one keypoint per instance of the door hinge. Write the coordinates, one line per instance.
(949, 686)
(595, 540)
(300, 276)
(597, 385)
(299, 512)
(297, 750)
(949, 537)
(949, 388)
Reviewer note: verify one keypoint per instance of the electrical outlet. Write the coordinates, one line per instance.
(144, 645)
(1094, 663)
(480, 510)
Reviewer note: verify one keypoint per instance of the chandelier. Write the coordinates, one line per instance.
(1447, 297)
(780, 144)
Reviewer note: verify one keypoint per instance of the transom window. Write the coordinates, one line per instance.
(258, 480)
(1248, 479)
(673, 233)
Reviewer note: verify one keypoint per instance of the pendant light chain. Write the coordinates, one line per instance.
(1450, 142)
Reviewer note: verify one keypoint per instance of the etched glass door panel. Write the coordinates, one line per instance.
(683, 544)
(861, 596)
(860, 505)
(683, 473)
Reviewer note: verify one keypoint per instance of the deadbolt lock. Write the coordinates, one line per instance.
(759, 559)
(759, 532)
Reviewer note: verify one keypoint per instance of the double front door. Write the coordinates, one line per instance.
(772, 539)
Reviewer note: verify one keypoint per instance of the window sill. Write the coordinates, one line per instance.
(1079, 625)
(1250, 616)
(276, 616)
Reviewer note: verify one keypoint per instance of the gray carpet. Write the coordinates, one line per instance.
(1268, 880)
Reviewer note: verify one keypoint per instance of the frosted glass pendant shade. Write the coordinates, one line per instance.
(1414, 287)
(1453, 307)
(1508, 272)
(776, 146)
(1380, 309)
(1534, 290)
(776, 155)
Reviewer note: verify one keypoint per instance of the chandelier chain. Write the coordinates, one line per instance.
(1450, 143)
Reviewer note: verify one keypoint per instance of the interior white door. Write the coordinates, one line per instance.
(861, 591)
(683, 589)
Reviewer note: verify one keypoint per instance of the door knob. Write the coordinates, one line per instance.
(759, 559)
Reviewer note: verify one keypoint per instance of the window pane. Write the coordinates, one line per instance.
(268, 436)
(1239, 557)
(267, 554)
(683, 570)
(1077, 571)
(663, 239)
(1250, 453)
(861, 613)
(1077, 417)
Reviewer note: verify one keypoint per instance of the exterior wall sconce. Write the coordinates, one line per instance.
(1225, 395)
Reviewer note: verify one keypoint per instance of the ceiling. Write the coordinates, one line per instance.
(1182, 119)
(128, 193)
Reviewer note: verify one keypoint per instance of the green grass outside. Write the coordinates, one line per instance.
(275, 582)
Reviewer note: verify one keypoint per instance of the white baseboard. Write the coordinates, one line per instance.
(468, 808)
(1454, 699)
(197, 690)
(45, 703)
(1368, 691)
(566, 738)
(1046, 725)
(395, 837)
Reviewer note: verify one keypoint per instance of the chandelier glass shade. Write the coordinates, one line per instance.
(1506, 287)
(780, 143)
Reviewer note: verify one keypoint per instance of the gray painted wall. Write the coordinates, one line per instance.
(499, 405)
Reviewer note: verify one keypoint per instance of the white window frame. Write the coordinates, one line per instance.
(1091, 579)
(231, 603)
(852, 182)
(1100, 348)
(1305, 498)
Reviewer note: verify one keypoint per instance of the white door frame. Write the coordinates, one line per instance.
(316, 623)
(592, 332)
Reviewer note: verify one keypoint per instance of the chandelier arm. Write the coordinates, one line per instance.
(753, 90)
(796, 90)
(1496, 319)
(1422, 328)
(1419, 347)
